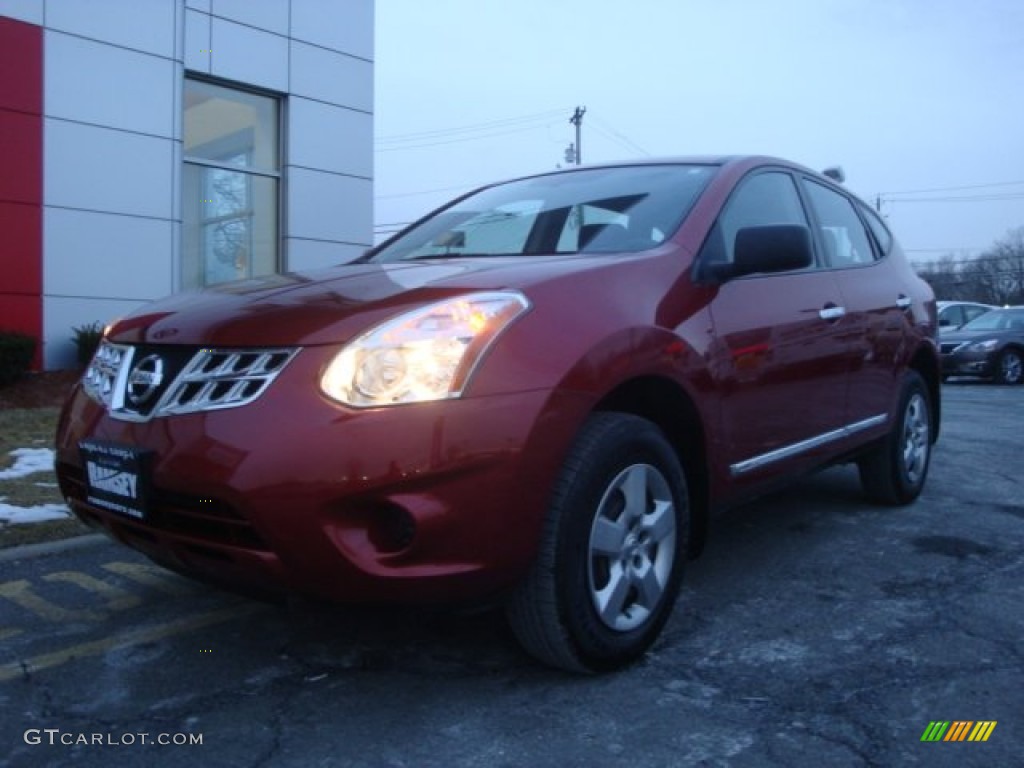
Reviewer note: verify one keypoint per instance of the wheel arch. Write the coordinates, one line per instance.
(667, 404)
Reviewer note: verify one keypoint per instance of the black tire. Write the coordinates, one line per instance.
(1010, 367)
(615, 535)
(894, 471)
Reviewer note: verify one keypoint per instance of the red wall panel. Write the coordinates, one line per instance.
(21, 178)
(20, 227)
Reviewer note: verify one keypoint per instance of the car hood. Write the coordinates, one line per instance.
(328, 306)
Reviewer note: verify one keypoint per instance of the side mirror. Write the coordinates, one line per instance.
(453, 238)
(774, 248)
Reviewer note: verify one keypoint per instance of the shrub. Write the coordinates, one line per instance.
(87, 338)
(16, 353)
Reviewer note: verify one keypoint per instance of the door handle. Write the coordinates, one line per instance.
(904, 301)
(831, 312)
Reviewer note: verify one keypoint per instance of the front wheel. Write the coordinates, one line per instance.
(1010, 367)
(610, 560)
(894, 471)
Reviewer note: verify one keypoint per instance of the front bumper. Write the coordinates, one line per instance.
(964, 362)
(414, 503)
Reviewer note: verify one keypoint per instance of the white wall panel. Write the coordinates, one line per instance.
(346, 27)
(146, 25)
(101, 254)
(23, 10)
(249, 55)
(271, 15)
(306, 255)
(330, 138)
(197, 41)
(62, 315)
(105, 85)
(332, 77)
(324, 206)
(102, 169)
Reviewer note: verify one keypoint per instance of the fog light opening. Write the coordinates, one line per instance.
(392, 528)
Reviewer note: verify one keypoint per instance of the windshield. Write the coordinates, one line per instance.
(599, 210)
(997, 320)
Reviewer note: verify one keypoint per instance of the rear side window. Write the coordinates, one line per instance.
(761, 200)
(878, 229)
(842, 234)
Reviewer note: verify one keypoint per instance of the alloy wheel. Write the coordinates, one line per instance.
(632, 547)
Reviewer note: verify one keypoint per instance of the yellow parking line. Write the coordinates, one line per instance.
(149, 576)
(134, 637)
(20, 593)
(117, 599)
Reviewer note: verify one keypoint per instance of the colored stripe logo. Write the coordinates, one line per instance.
(958, 730)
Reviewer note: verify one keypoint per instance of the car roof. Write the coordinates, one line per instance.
(721, 161)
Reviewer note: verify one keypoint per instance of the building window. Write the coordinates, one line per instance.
(231, 186)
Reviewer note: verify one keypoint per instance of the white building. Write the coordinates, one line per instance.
(152, 146)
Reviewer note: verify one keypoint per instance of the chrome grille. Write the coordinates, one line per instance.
(219, 378)
(947, 347)
(203, 380)
(105, 377)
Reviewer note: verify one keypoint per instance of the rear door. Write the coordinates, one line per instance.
(875, 297)
(781, 356)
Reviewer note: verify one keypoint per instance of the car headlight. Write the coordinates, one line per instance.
(983, 346)
(427, 354)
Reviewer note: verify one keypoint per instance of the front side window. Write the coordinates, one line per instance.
(599, 210)
(761, 200)
(231, 184)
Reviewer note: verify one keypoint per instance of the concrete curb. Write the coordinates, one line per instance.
(44, 548)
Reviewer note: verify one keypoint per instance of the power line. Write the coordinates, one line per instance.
(609, 131)
(954, 189)
(428, 191)
(538, 117)
(460, 139)
(960, 199)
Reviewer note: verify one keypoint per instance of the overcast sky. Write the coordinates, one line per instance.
(920, 101)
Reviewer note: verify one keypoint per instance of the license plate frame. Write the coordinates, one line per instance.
(116, 477)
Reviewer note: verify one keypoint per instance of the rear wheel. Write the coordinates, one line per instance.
(894, 471)
(610, 561)
(1010, 367)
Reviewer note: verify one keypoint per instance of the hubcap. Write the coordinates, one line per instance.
(1012, 367)
(916, 443)
(632, 547)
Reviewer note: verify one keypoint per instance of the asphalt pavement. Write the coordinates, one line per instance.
(815, 630)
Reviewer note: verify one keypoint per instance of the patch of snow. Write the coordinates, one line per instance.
(28, 461)
(10, 514)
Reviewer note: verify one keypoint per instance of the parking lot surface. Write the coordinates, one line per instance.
(814, 630)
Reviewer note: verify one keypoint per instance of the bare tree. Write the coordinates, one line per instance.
(1008, 254)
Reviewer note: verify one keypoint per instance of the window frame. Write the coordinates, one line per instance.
(280, 256)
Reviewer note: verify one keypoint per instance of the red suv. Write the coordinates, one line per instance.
(538, 393)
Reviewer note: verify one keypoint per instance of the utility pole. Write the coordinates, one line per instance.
(577, 120)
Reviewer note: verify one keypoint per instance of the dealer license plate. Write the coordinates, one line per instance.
(115, 476)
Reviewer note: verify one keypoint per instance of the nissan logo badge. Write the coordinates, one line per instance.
(145, 378)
